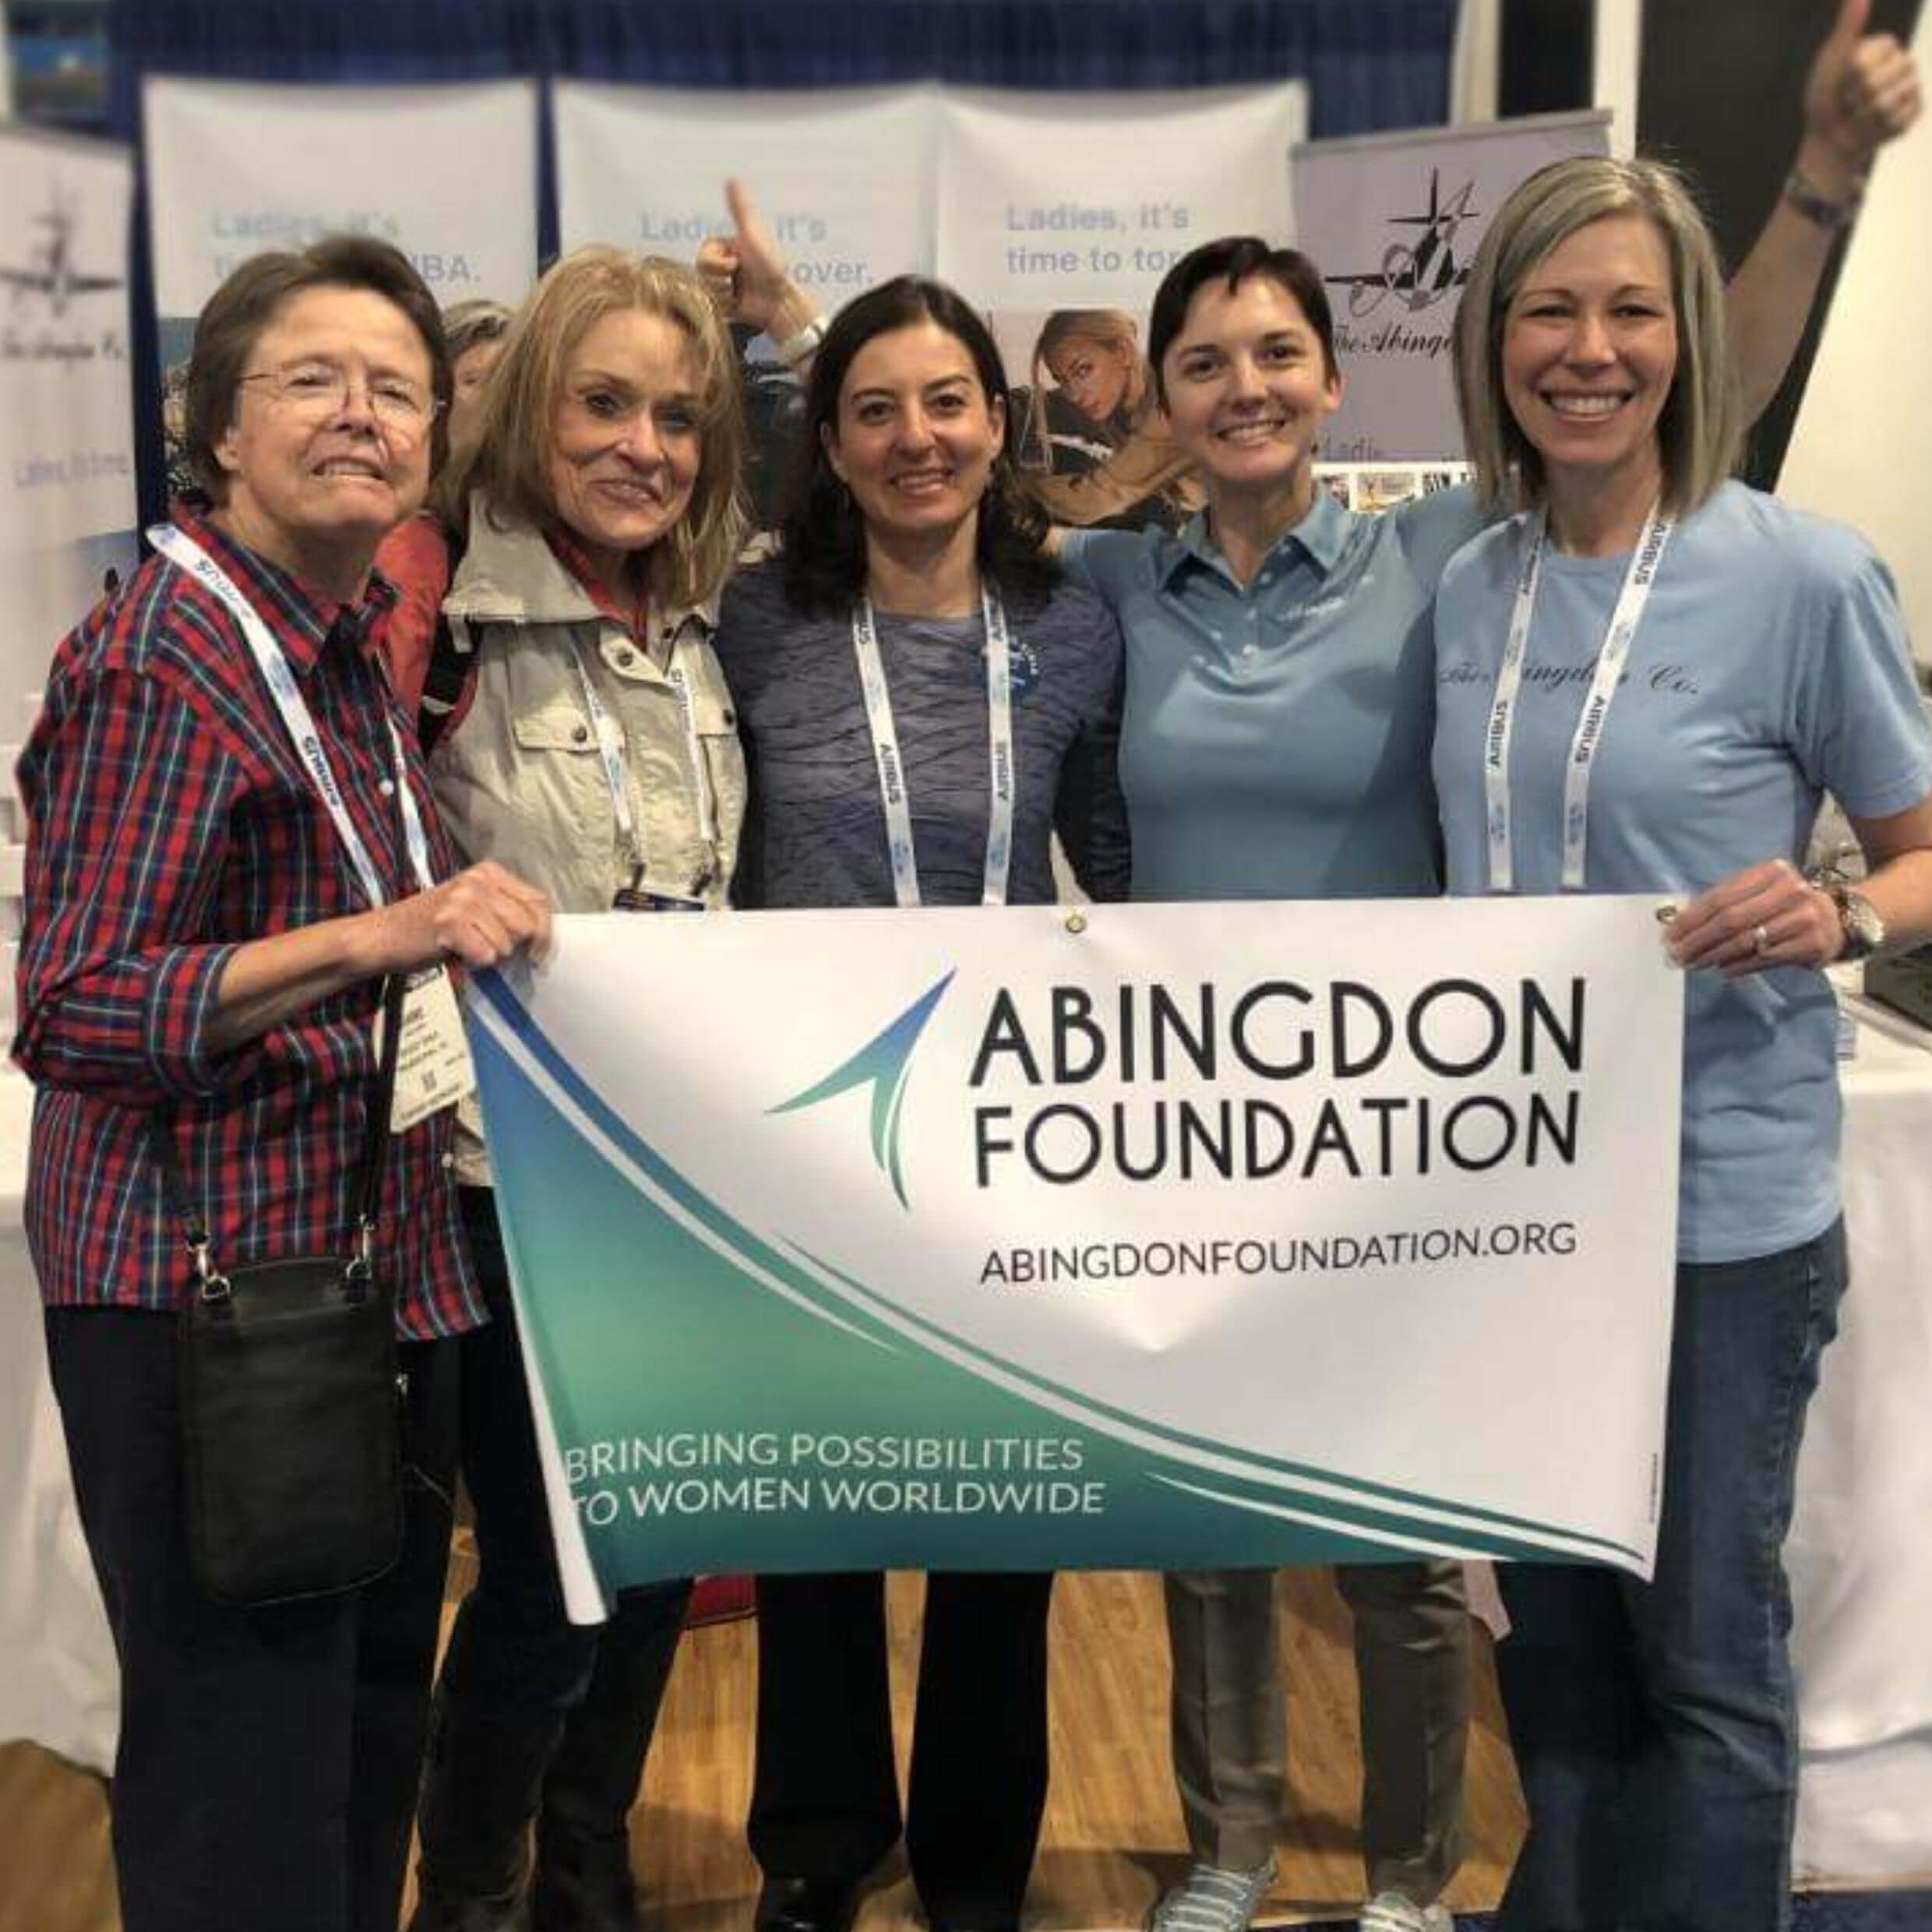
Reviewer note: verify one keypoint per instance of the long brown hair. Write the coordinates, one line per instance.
(824, 547)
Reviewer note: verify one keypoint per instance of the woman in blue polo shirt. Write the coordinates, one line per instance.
(1592, 366)
(1274, 745)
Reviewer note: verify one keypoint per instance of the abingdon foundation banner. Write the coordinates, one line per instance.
(1148, 1236)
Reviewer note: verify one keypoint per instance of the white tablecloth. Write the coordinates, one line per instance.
(1860, 1554)
(58, 1682)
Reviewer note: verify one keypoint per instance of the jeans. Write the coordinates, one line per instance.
(1656, 1726)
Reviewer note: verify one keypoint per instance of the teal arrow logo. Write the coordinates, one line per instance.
(882, 1064)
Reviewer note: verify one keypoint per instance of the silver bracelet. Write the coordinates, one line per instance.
(802, 347)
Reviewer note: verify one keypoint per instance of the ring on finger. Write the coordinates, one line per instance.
(1761, 940)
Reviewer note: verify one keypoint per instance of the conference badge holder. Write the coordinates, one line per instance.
(637, 896)
(433, 1064)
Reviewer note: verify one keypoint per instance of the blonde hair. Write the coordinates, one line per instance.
(1111, 329)
(1106, 328)
(509, 463)
(1701, 430)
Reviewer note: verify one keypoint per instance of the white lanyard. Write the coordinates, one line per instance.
(1611, 658)
(885, 746)
(610, 744)
(182, 551)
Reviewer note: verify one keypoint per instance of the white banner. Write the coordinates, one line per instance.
(1059, 214)
(1150, 1236)
(843, 176)
(1393, 221)
(1053, 200)
(66, 409)
(67, 462)
(448, 174)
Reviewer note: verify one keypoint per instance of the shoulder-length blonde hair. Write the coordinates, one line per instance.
(1106, 328)
(1109, 329)
(509, 463)
(1701, 430)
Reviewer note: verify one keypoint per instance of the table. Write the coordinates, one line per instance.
(57, 1680)
(1860, 1553)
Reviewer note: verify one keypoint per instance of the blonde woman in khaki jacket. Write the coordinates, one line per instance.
(591, 736)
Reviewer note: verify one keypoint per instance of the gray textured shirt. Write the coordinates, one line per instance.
(815, 831)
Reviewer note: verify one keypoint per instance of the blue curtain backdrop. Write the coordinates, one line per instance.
(1369, 64)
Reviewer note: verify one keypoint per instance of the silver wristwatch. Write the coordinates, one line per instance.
(1862, 929)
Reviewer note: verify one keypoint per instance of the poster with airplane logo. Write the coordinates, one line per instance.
(1394, 222)
(66, 424)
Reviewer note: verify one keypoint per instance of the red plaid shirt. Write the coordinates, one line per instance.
(169, 821)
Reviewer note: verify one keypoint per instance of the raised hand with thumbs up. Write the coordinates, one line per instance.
(1862, 91)
(746, 273)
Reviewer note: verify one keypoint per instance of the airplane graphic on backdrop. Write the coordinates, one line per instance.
(52, 272)
(1421, 275)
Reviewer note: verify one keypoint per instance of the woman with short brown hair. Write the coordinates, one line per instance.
(231, 848)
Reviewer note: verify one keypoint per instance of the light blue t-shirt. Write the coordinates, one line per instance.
(1275, 740)
(1770, 667)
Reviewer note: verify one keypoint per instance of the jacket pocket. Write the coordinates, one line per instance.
(558, 726)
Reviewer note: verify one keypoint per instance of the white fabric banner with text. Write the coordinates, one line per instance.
(66, 410)
(448, 174)
(842, 176)
(1149, 1236)
(1084, 200)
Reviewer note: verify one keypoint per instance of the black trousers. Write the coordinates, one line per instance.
(825, 1801)
(535, 1715)
(268, 1759)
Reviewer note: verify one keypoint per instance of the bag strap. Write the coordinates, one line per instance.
(451, 666)
(368, 1189)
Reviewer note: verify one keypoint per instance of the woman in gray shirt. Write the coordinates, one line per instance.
(910, 641)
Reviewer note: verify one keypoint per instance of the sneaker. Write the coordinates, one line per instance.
(1212, 1898)
(1390, 1912)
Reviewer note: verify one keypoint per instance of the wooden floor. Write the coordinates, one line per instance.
(1112, 1835)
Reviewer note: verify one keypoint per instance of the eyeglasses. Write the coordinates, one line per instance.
(317, 390)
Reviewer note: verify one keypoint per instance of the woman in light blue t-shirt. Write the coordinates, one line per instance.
(1654, 1724)
(1280, 695)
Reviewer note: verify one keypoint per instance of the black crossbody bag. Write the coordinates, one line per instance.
(290, 1394)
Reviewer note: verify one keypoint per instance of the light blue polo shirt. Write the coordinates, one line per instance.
(1275, 739)
(1770, 667)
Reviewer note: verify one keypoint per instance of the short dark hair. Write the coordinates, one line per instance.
(1234, 260)
(248, 302)
(824, 555)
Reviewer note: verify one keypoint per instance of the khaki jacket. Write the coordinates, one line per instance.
(518, 775)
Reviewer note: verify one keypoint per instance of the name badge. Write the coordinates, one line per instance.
(432, 1061)
(642, 899)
